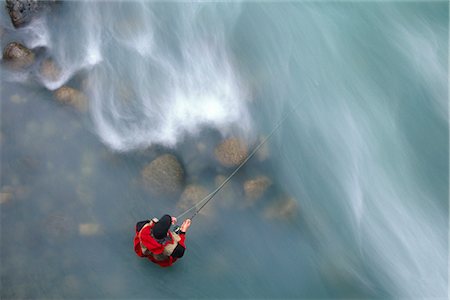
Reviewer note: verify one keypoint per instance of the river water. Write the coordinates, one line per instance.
(362, 155)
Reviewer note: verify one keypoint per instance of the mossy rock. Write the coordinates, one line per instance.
(164, 176)
(231, 152)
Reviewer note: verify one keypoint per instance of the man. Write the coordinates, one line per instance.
(155, 241)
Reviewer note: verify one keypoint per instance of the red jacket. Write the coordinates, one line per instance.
(153, 246)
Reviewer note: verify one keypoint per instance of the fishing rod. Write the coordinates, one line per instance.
(211, 195)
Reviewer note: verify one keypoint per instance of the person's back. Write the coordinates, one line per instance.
(155, 241)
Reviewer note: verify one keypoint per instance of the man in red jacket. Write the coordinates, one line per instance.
(155, 241)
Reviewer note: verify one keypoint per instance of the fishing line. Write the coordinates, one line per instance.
(202, 203)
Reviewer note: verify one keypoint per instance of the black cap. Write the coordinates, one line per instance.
(161, 227)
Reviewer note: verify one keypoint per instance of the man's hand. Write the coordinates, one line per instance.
(185, 226)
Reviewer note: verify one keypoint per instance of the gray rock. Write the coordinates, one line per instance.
(22, 12)
(164, 175)
(18, 56)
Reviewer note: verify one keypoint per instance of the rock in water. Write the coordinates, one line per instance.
(282, 209)
(191, 195)
(50, 70)
(6, 194)
(71, 96)
(18, 56)
(231, 152)
(88, 229)
(22, 11)
(255, 188)
(164, 175)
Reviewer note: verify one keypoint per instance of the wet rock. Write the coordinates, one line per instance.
(282, 209)
(18, 56)
(191, 195)
(16, 192)
(88, 229)
(71, 96)
(50, 70)
(231, 152)
(17, 99)
(164, 175)
(6, 194)
(22, 12)
(256, 187)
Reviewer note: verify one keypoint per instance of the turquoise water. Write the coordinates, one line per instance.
(363, 152)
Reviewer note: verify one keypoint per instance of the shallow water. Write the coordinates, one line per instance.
(363, 151)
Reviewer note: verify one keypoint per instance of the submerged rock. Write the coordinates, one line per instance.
(231, 152)
(283, 208)
(88, 229)
(191, 195)
(71, 96)
(21, 12)
(256, 187)
(6, 194)
(50, 70)
(164, 175)
(18, 56)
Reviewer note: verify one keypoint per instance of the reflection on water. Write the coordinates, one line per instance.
(130, 110)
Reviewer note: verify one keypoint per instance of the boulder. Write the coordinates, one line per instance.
(256, 187)
(191, 195)
(71, 96)
(282, 209)
(88, 229)
(22, 12)
(6, 194)
(50, 70)
(18, 56)
(231, 152)
(164, 175)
